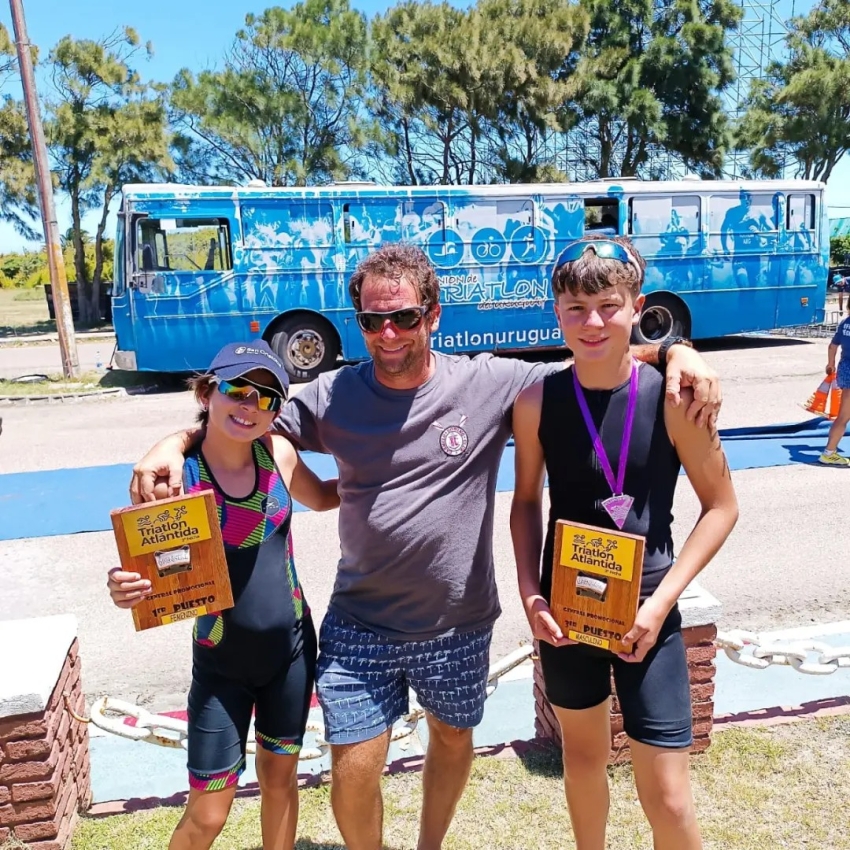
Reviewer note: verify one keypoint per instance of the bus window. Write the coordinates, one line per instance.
(287, 226)
(183, 245)
(665, 224)
(744, 223)
(377, 221)
(800, 222)
(601, 215)
(491, 225)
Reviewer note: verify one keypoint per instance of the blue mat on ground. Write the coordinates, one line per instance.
(72, 501)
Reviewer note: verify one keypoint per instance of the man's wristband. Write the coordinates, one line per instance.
(664, 348)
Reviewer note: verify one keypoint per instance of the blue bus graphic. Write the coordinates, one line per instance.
(198, 266)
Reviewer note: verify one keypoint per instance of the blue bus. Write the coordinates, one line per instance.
(196, 266)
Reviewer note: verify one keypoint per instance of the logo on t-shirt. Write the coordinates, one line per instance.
(270, 505)
(453, 439)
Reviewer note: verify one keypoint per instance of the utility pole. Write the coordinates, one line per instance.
(55, 260)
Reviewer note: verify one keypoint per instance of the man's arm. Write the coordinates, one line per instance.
(684, 368)
(687, 368)
(164, 460)
(297, 421)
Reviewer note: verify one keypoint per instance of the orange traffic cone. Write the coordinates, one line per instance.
(834, 402)
(817, 401)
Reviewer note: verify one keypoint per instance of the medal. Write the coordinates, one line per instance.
(619, 504)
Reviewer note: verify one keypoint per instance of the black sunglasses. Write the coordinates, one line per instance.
(405, 319)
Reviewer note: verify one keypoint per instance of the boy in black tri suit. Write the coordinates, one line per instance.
(612, 451)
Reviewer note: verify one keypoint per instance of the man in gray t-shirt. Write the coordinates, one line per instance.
(417, 437)
(416, 555)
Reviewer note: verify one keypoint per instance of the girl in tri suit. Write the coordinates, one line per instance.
(259, 656)
(612, 451)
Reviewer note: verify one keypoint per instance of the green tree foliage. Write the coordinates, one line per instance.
(799, 115)
(467, 96)
(839, 250)
(649, 75)
(29, 268)
(17, 178)
(106, 127)
(7, 53)
(287, 106)
(537, 42)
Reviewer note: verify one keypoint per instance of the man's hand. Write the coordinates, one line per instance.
(127, 589)
(543, 625)
(829, 368)
(644, 633)
(162, 465)
(686, 368)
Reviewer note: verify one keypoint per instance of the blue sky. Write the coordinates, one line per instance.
(195, 34)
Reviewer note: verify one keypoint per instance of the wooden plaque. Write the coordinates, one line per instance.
(176, 544)
(596, 584)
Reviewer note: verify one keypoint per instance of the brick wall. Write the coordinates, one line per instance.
(44, 767)
(699, 641)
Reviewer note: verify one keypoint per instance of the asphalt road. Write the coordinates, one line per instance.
(18, 360)
(785, 564)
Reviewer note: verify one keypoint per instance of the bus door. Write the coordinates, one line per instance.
(182, 289)
(122, 298)
(743, 236)
(667, 231)
(802, 274)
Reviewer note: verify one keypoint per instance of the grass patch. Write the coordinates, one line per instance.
(24, 313)
(91, 382)
(36, 293)
(783, 786)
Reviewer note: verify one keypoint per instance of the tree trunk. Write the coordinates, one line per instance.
(108, 194)
(83, 290)
(408, 152)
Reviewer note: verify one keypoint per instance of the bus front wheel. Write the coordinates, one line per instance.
(662, 316)
(307, 345)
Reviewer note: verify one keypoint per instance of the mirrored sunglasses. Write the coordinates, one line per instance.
(604, 248)
(268, 400)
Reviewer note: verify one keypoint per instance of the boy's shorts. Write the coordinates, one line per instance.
(654, 694)
(362, 678)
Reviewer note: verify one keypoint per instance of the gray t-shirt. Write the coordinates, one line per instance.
(417, 483)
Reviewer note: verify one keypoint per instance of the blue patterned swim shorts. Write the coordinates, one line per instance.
(362, 678)
(843, 374)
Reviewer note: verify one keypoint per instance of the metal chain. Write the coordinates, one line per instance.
(111, 715)
(806, 656)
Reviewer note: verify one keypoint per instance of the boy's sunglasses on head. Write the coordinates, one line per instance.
(239, 389)
(603, 248)
(405, 319)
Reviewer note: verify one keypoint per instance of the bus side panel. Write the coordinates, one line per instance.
(493, 258)
(292, 260)
(743, 270)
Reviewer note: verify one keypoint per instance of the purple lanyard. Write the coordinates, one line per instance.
(616, 486)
